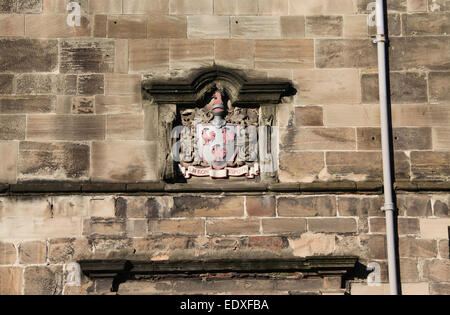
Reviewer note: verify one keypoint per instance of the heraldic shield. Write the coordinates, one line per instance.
(220, 146)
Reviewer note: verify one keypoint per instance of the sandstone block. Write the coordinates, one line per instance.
(83, 105)
(208, 26)
(438, 5)
(375, 246)
(273, 7)
(414, 248)
(33, 253)
(66, 250)
(421, 115)
(103, 207)
(105, 7)
(300, 166)
(146, 7)
(312, 244)
(439, 88)
(324, 26)
(189, 206)
(313, 7)
(292, 26)
(319, 139)
(284, 226)
(441, 206)
(29, 6)
(233, 227)
(176, 227)
(309, 116)
(148, 55)
(11, 280)
(284, 54)
(351, 115)
(8, 6)
(12, 25)
(117, 104)
(426, 24)
(437, 270)
(127, 26)
(260, 206)
(6, 83)
(66, 127)
(434, 228)
(122, 84)
(104, 227)
(235, 7)
(342, 86)
(235, 53)
(125, 127)
(100, 25)
(192, 53)
(7, 253)
(444, 248)
(430, 165)
(332, 225)
(355, 26)
(36, 55)
(310, 206)
(43, 280)
(87, 56)
(27, 104)
(414, 205)
(167, 26)
(394, 25)
(57, 161)
(405, 225)
(12, 127)
(345, 53)
(121, 56)
(70, 206)
(55, 26)
(191, 7)
(131, 161)
(91, 84)
(395, 5)
(137, 228)
(355, 206)
(8, 168)
(440, 288)
(255, 27)
(357, 165)
(417, 5)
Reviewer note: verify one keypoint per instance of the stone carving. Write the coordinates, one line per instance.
(219, 140)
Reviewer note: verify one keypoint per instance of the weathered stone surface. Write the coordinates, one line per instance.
(148, 55)
(12, 127)
(309, 116)
(312, 244)
(117, 104)
(65, 127)
(189, 206)
(62, 251)
(405, 225)
(440, 288)
(430, 165)
(426, 24)
(122, 84)
(131, 161)
(406, 87)
(100, 26)
(417, 5)
(444, 248)
(420, 115)
(355, 26)
(434, 228)
(83, 105)
(105, 7)
(29, 6)
(438, 5)
(404, 138)
(87, 56)
(91, 84)
(437, 270)
(345, 53)
(127, 26)
(439, 87)
(70, 206)
(394, 25)
(11, 280)
(417, 248)
(191, 7)
(8, 6)
(6, 83)
(101, 227)
(441, 206)
(102, 207)
(208, 26)
(324, 7)
(292, 26)
(43, 280)
(27, 104)
(260, 206)
(235, 53)
(11, 25)
(256, 27)
(394, 5)
(46, 84)
(355, 206)
(281, 54)
(38, 26)
(311, 206)
(53, 161)
(233, 227)
(324, 26)
(351, 115)
(332, 225)
(342, 86)
(7, 253)
(8, 152)
(300, 166)
(375, 246)
(273, 7)
(176, 227)
(33, 253)
(145, 7)
(408, 53)
(165, 26)
(319, 139)
(192, 53)
(125, 127)
(283, 226)
(414, 205)
(36, 55)
(235, 7)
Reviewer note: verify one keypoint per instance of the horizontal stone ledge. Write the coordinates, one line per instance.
(56, 187)
(320, 264)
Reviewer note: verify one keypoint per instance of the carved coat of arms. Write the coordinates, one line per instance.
(219, 141)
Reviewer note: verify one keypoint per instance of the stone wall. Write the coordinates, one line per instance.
(71, 111)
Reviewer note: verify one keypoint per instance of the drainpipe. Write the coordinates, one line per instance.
(389, 207)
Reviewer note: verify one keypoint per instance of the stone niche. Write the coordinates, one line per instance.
(217, 125)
